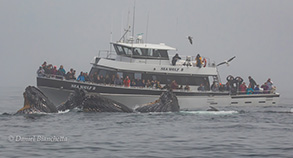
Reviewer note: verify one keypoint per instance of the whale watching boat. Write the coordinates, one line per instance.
(152, 62)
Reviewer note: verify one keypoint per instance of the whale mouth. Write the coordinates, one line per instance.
(63, 112)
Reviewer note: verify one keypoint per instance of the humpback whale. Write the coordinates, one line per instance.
(92, 103)
(167, 102)
(36, 102)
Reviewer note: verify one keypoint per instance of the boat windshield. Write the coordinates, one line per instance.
(142, 53)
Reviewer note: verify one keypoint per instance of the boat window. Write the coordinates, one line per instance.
(103, 73)
(144, 52)
(127, 50)
(156, 53)
(163, 53)
(150, 52)
(119, 50)
(137, 51)
(120, 74)
(137, 76)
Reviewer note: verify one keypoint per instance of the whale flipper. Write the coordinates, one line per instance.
(212, 109)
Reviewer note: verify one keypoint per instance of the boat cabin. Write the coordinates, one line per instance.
(143, 61)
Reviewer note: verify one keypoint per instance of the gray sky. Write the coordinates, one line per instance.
(70, 32)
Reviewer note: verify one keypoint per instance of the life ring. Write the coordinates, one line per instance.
(204, 62)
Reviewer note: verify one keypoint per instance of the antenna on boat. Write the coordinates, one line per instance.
(111, 35)
(133, 21)
(126, 31)
(147, 28)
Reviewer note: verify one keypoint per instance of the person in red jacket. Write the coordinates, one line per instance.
(242, 88)
(126, 82)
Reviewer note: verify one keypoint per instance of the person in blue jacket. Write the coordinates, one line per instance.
(81, 77)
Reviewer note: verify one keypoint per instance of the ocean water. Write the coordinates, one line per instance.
(232, 132)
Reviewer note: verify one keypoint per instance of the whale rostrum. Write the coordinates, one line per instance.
(36, 102)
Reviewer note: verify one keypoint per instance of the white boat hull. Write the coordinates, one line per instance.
(59, 95)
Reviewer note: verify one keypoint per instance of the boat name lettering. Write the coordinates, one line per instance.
(169, 69)
(83, 87)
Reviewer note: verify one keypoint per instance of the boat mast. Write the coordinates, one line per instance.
(147, 28)
(133, 22)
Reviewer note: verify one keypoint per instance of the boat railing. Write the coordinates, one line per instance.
(60, 77)
(192, 59)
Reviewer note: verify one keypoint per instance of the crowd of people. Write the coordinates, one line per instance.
(48, 70)
(233, 85)
(127, 82)
(236, 85)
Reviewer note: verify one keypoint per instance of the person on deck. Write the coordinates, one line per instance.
(249, 90)
(148, 84)
(174, 85)
(126, 82)
(143, 83)
(107, 79)
(158, 85)
(187, 88)
(102, 79)
(256, 89)
(242, 88)
(265, 88)
(215, 87)
(117, 80)
(201, 88)
(73, 75)
(68, 76)
(175, 58)
(61, 71)
(198, 61)
(252, 83)
(269, 84)
(41, 72)
(86, 77)
(54, 70)
(81, 77)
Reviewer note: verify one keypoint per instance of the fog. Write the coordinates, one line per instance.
(71, 32)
